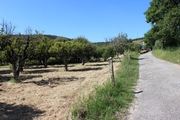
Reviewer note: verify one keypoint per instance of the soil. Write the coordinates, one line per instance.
(49, 93)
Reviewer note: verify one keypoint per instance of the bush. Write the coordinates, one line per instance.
(109, 52)
(54, 60)
(158, 45)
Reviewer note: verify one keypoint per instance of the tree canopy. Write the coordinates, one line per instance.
(164, 17)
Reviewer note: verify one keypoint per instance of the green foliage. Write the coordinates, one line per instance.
(106, 100)
(62, 39)
(63, 49)
(109, 52)
(85, 48)
(15, 47)
(3, 59)
(164, 17)
(99, 53)
(150, 39)
(169, 54)
(16, 50)
(79, 48)
(53, 61)
(41, 51)
(81, 39)
(135, 47)
(119, 43)
(100, 49)
(158, 45)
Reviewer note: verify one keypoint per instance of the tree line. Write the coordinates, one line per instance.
(18, 49)
(163, 15)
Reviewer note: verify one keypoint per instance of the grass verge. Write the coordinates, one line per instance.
(170, 54)
(106, 101)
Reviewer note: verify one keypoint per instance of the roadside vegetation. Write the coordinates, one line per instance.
(108, 102)
(164, 35)
(169, 54)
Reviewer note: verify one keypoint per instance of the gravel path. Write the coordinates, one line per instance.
(158, 91)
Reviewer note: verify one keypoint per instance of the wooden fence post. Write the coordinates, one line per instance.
(111, 71)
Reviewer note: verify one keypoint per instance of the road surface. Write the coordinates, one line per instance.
(158, 90)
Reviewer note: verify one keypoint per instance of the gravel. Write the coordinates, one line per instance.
(158, 90)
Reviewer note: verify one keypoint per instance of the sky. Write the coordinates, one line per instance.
(96, 20)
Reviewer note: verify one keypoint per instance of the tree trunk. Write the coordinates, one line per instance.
(21, 69)
(17, 66)
(83, 61)
(15, 71)
(45, 62)
(65, 64)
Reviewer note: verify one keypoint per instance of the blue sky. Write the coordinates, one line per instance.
(96, 20)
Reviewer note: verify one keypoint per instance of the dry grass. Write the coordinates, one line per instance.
(48, 94)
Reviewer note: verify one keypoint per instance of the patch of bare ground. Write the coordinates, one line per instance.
(48, 93)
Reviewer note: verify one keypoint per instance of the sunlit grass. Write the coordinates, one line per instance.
(107, 100)
(170, 54)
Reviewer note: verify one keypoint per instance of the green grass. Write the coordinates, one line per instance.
(170, 54)
(12, 80)
(106, 100)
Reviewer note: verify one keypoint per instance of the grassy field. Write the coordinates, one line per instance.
(170, 54)
(48, 93)
(107, 102)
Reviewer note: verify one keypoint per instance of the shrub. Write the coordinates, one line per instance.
(158, 45)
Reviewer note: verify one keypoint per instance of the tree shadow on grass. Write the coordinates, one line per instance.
(61, 66)
(49, 66)
(18, 112)
(5, 71)
(54, 82)
(34, 67)
(21, 78)
(132, 58)
(85, 69)
(26, 77)
(5, 78)
(97, 65)
(39, 71)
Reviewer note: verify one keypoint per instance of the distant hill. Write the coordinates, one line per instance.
(53, 37)
(101, 43)
(138, 40)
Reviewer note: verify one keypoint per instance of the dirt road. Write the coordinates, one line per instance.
(158, 90)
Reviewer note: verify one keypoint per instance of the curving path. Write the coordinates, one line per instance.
(158, 92)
